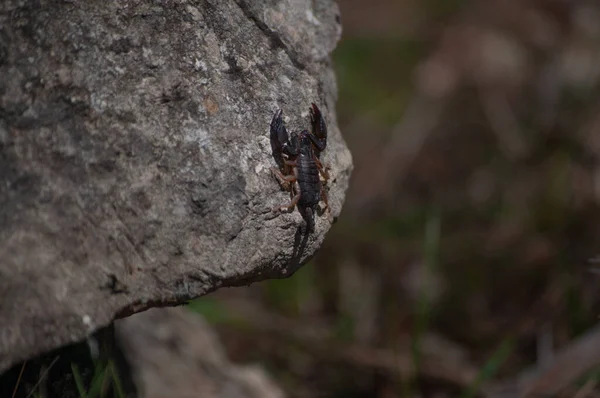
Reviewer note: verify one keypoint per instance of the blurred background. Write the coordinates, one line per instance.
(463, 259)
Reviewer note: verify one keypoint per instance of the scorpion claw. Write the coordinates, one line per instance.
(319, 128)
(279, 135)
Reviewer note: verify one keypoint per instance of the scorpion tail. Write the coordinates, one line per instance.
(310, 219)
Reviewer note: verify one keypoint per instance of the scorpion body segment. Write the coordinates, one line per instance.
(302, 169)
(308, 173)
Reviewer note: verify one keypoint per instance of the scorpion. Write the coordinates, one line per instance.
(301, 165)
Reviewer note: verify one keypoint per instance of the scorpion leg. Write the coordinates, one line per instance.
(289, 206)
(325, 174)
(294, 188)
(324, 198)
(284, 180)
(322, 170)
(288, 166)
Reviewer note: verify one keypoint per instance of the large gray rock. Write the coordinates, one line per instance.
(135, 155)
(174, 353)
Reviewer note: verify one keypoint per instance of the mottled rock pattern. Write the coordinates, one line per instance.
(135, 155)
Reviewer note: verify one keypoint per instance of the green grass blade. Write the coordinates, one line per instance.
(78, 381)
(116, 380)
(490, 368)
(42, 377)
(98, 380)
(431, 249)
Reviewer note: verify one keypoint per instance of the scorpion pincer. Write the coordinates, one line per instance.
(301, 165)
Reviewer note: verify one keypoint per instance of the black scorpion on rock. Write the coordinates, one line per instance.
(301, 165)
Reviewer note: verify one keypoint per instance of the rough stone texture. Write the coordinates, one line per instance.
(135, 155)
(174, 353)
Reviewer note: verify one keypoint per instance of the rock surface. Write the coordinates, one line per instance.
(135, 155)
(174, 353)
